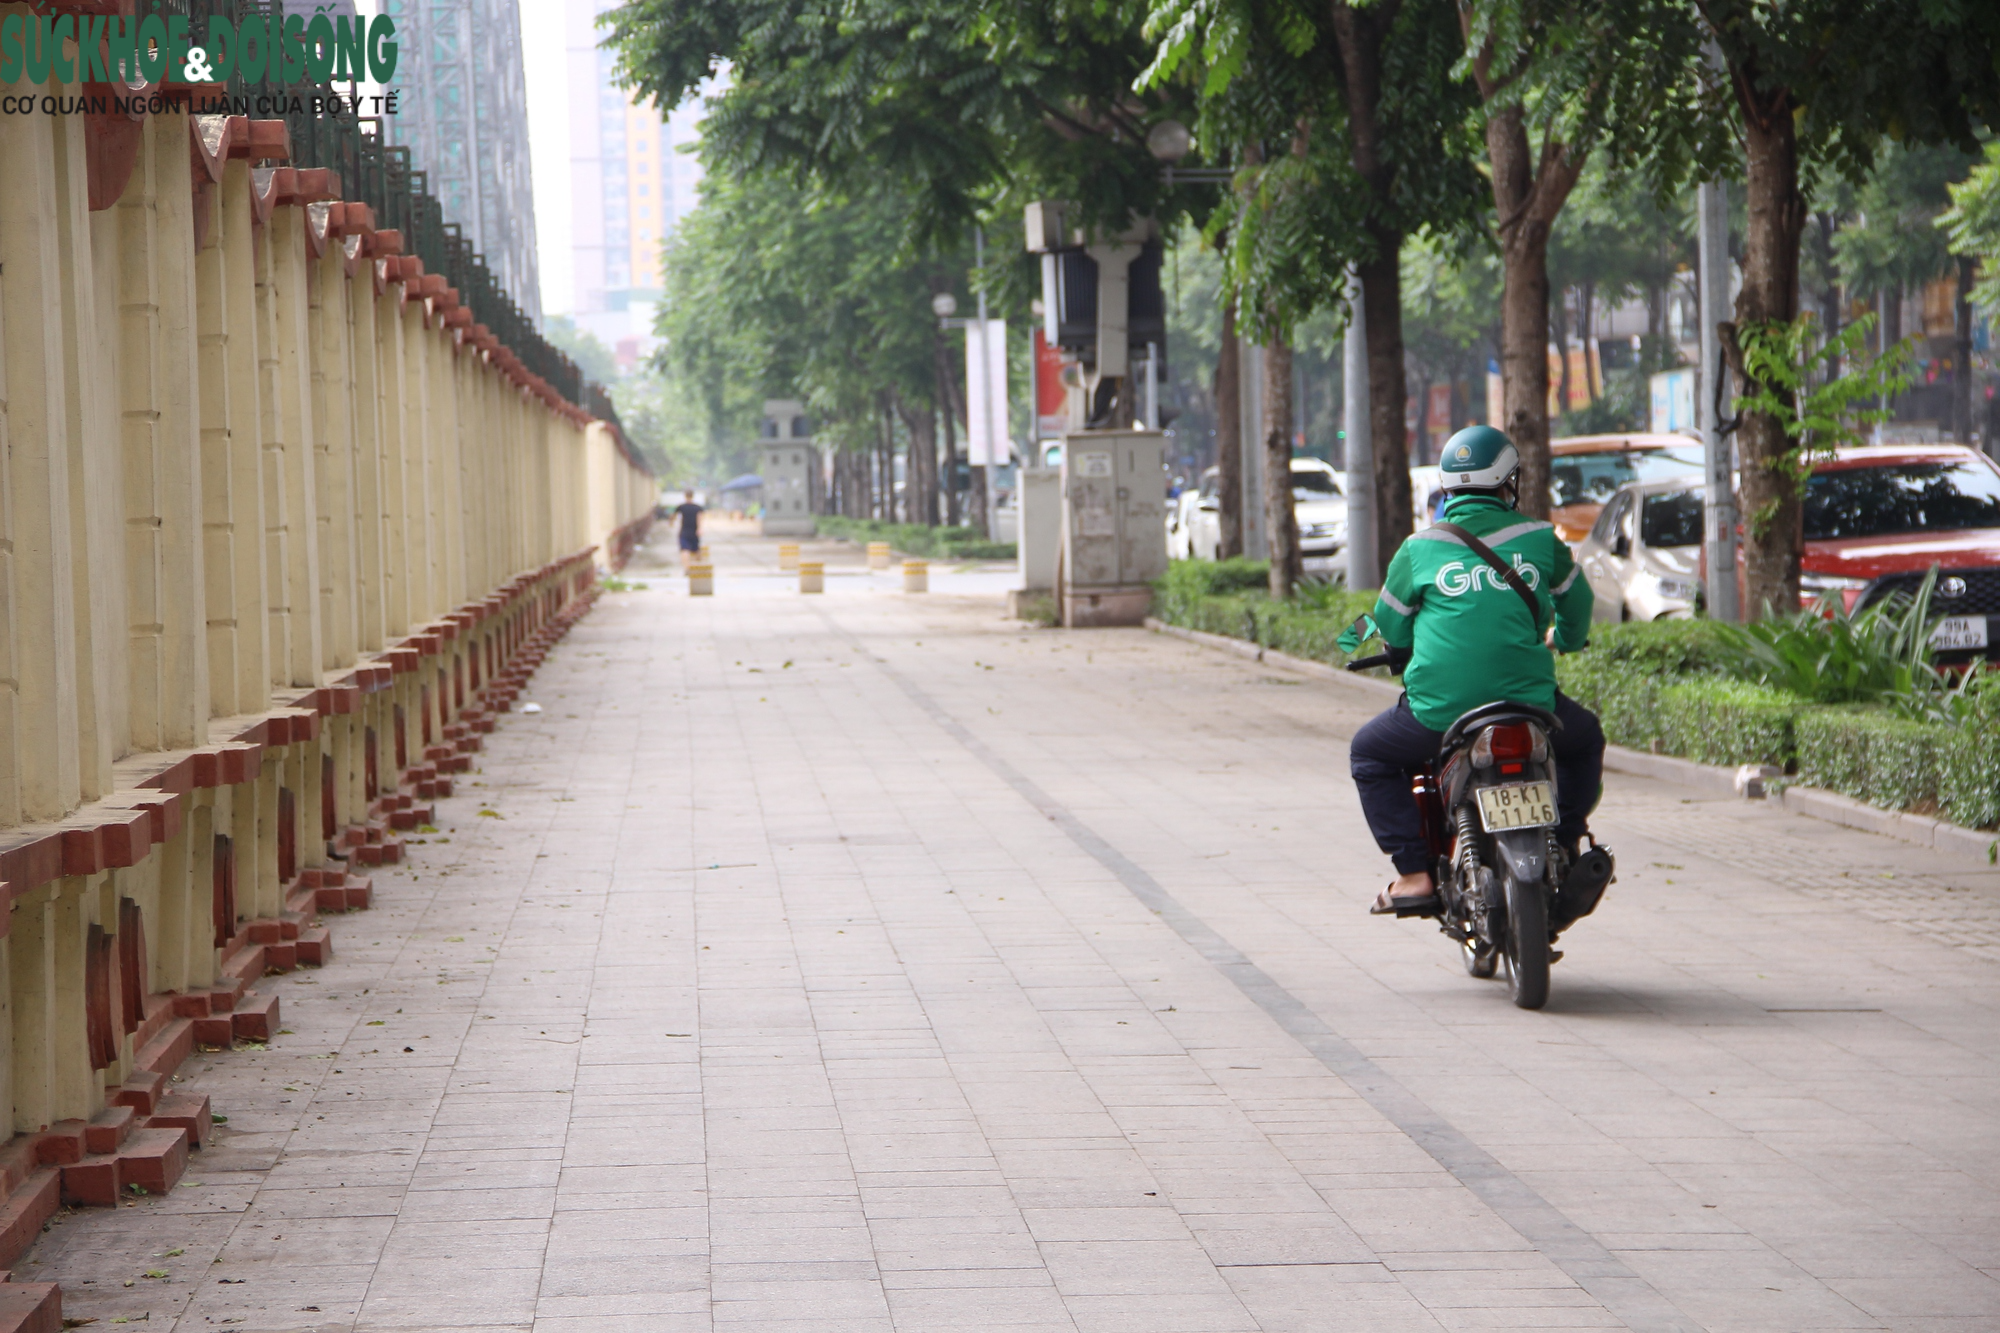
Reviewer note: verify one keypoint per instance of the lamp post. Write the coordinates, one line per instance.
(944, 305)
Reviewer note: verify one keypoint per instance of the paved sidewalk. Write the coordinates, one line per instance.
(870, 962)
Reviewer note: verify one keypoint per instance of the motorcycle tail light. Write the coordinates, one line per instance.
(1510, 741)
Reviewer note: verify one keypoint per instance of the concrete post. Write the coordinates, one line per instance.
(97, 579)
(41, 778)
(240, 484)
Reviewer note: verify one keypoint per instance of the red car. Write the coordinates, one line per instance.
(1877, 518)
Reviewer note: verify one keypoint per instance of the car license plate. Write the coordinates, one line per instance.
(1518, 805)
(1954, 632)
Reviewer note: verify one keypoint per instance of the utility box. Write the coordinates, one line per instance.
(1038, 544)
(790, 464)
(1114, 537)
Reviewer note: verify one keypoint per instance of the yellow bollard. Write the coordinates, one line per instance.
(812, 576)
(701, 557)
(916, 576)
(878, 555)
(701, 580)
(788, 555)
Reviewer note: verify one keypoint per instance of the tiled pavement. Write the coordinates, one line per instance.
(772, 978)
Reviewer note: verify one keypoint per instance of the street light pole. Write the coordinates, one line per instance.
(1719, 509)
(1359, 455)
(991, 436)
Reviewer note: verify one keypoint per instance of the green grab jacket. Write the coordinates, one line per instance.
(1467, 631)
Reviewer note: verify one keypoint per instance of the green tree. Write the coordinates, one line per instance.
(1554, 77)
(1354, 138)
(774, 292)
(1972, 224)
(1797, 93)
(964, 110)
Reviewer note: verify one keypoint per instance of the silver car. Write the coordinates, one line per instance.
(1643, 555)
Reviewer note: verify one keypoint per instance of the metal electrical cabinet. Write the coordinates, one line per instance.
(1114, 540)
(789, 465)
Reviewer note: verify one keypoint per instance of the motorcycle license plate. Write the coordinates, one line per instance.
(1955, 632)
(1517, 805)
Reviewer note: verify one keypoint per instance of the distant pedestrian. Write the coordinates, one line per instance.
(689, 515)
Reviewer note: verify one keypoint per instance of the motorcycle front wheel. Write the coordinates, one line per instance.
(1527, 944)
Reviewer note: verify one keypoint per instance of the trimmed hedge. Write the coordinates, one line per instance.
(1656, 686)
(1969, 776)
(1231, 597)
(1864, 753)
(959, 543)
(1728, 722)
(1704, 718)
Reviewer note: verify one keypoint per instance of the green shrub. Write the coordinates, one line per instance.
(1728, 722)
(1878, 654)
(1665, 686)
(1625, 699)
(1230, 597)
(960, 543)
(1968, 775)
(1215, 578)
(1872, 756)
(1673, 647)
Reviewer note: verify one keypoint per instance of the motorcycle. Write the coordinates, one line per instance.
(1506, 886)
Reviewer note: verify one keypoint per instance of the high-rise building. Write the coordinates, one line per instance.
(463, 111)
(629, 185)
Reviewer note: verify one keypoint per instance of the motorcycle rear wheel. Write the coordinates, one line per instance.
(1527, 944)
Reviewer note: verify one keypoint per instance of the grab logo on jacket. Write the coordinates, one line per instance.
(1455, 579)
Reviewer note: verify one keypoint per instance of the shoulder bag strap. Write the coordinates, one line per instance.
(1501, 567)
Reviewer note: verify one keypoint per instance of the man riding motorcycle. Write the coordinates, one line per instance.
(1462, 631)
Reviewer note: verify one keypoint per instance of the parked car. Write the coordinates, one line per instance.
(1878, 517)
(1319, 505)
(1585, 470)
(1643, 555)
(1204, 521)
(1182, 512)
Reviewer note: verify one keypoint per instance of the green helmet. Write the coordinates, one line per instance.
(1478, 457)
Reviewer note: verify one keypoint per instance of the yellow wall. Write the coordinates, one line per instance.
(254, 498)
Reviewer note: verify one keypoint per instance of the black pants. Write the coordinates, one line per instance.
(1393, 745)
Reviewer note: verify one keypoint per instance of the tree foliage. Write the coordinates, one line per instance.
(1972, 224)
(773, 292)
(963, 106)
(1270, 82)
(1891, 241)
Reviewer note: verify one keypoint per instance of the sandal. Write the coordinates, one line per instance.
(1420, 904)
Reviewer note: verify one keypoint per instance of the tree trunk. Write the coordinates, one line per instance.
(1528, 195)
(1586, 324)
(1770, 294)
(1229, 440)
(946, 467)
(919, 470)
(1559, 327)
(1420, 394)
(975, 499)
(1961, 359)
(1388, 392)
(1279, 519)
(1361, 32)
(885, 462)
